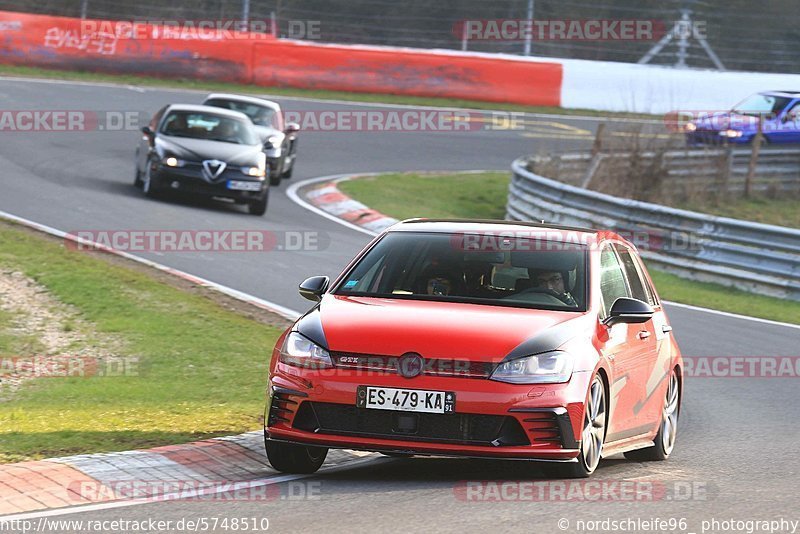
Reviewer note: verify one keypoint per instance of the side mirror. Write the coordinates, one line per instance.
(292, 127)
(631, 311)
(314, 287)
(147, 131)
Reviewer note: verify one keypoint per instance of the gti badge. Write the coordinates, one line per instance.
(212, 168)
(410, 364)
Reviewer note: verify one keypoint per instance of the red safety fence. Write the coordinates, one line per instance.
(257, 58)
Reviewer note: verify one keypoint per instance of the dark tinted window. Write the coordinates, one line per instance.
(525, 273)
(201, 125)
(260, 115)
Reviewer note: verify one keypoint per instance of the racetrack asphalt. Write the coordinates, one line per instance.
(737, 444)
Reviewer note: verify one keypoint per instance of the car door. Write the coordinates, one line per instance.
(618, 348)
(650, 357)
(785, 128)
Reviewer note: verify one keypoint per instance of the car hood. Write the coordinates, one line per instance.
(203, 149)
(482, 333)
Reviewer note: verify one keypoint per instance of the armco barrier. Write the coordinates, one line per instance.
(754, 257)
(44, 41)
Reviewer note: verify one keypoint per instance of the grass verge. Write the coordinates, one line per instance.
(483, 195)
(200, 372)
(374, 98)
(778, 211)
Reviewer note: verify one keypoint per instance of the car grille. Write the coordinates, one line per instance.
(459, 428)
(432, 366)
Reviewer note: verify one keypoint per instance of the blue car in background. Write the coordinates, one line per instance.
(778, 112)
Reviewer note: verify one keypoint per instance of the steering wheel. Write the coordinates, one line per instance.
(545, 291)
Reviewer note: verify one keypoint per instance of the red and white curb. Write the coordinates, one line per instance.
(227, 468)
(330, 199)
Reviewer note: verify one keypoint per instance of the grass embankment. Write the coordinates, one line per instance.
(483, 195)
(193, 367)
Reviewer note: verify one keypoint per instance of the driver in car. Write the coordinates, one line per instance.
(553, 281)
(226, 131)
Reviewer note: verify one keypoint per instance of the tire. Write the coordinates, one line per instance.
(148, 186)
(288, 173)
(259, 207)
(293, 458)
(275, 175)
(137, 176)
(668, 428)
(592, 438)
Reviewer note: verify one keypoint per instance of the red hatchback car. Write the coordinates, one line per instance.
(484, 339)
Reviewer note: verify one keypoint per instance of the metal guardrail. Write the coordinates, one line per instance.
(755, 257)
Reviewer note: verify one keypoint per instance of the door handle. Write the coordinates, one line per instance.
(644, 334)
(666, 328)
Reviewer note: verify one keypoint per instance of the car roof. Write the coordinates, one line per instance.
(241, 98)
(493, 226)
(790, 94)
(209, 109)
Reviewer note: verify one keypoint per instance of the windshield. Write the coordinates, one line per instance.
(260, 115)
(438, 266)
(198, 125)
(760, 104)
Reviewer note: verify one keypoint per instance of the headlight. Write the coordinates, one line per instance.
(689, 127)
(272, 141)
(731, 133)
(172, 161)
(254, 171)
(546, 368)
(300, 351)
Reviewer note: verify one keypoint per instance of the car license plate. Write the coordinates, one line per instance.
(408, 400)
(241, 185)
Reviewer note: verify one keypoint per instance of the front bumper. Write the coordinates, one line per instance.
(192, 182)
(491, 419)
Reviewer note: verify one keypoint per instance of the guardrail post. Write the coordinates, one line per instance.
(751, 169)
(726, 171)
(598, 139)
(597, 157)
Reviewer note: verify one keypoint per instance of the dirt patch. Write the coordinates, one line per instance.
(45, 336)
